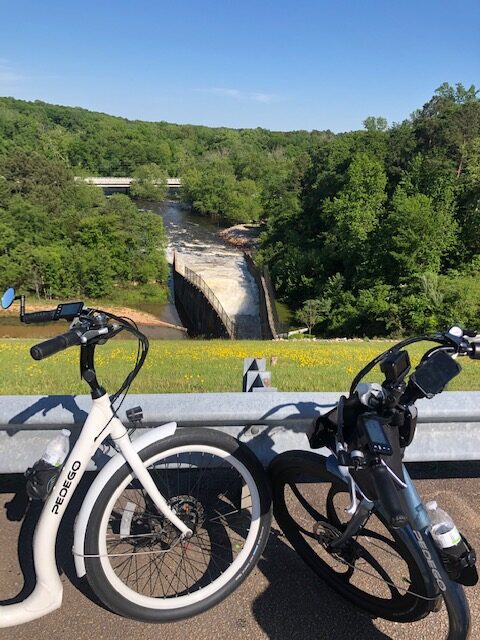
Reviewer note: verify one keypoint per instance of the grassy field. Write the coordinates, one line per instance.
(200, 366)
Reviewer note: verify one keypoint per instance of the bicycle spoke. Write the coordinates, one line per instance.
(147, 560)
(305, 504)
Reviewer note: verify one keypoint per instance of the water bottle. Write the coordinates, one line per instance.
(41, 478)
(457, 555)
(57, 449)
(443, 529)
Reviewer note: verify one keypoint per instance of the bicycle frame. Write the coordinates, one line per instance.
(100, 423)
(420, 543)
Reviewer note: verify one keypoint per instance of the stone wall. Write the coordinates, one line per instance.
(266, 301)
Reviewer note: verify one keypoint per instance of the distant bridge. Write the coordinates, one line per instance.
(122, 183)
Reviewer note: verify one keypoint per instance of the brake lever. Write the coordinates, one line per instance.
(459, 340)
(345, 471)
(93, 333)
(353, 495)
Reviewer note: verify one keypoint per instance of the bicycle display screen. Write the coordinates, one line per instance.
(432, 375)
(68, 311)
(375, 436)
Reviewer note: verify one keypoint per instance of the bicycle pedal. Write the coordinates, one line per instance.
(135, 414)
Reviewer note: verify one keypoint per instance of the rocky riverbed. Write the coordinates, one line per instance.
(241, 236)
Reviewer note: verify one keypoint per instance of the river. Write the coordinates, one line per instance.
(186, 233)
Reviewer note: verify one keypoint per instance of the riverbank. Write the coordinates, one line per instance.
(241, 236)
(158, 320)
(175, 366)
(138, 316)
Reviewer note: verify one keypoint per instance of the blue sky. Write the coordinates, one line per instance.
(280, 65)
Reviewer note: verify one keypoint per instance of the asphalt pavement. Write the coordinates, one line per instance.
(281, 599)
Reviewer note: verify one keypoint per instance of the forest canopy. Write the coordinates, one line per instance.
(378, 226)
(61, 238)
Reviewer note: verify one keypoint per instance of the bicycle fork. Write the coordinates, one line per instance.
(452, 593)
(47, 595)
(424, 550)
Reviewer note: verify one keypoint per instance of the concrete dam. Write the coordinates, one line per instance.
(217, 295)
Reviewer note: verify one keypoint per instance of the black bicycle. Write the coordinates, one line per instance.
(355, 517)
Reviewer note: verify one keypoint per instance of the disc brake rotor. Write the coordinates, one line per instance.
(326, 533)
(151, 533)
(189, 510)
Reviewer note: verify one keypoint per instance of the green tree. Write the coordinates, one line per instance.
(447, 122)
(312, 312)
(373, 123)
(416, 236)
(62, 238)
(213, 189)
(354, 215)
(468, 201)
(149, 183)
(51, 274)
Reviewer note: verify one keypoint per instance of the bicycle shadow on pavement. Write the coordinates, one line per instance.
(63, 553)
(24, 542)
(299, 606)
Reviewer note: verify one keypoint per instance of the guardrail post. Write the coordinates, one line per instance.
(255, 375)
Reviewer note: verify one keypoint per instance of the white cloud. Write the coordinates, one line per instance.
(237, 94)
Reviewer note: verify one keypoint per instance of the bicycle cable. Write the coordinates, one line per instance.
(388, 582)
(405, 590)
(142, 350)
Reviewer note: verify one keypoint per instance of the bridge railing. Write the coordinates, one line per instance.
(200, 283)
(122, 181)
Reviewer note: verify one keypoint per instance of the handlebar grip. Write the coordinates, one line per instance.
(388, 495)
(54, 345)
(475, 352)
(39, 316)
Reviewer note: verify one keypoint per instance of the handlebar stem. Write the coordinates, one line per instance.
(87, 370)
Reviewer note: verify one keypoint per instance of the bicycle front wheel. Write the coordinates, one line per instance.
(375, 570)
(135, 560)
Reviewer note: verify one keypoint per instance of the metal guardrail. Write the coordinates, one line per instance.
(269, 422)
(200, 283)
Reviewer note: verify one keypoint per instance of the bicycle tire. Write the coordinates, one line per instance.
(219, 487)
(308, 505)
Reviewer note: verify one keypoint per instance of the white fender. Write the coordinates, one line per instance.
(151, 436)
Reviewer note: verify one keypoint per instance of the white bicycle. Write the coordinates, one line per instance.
(171, 525)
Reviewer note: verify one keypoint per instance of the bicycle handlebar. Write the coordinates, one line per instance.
(39, 316)
(90, 327)
(388, 495)
(54, 345)
(475, 351)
